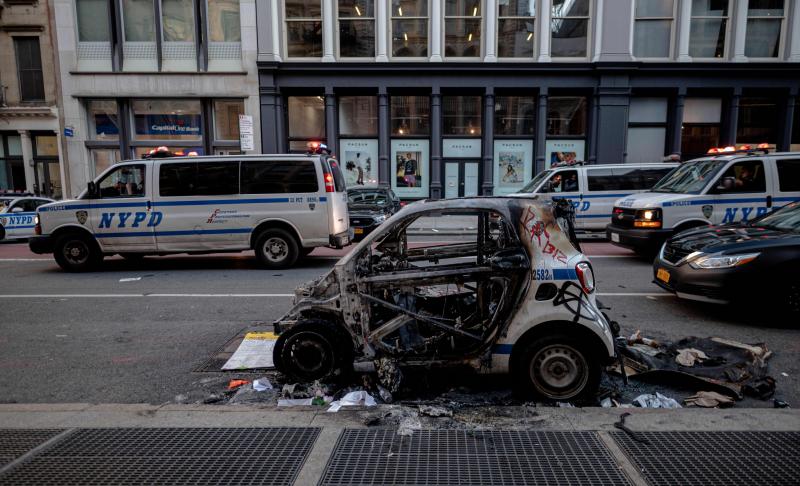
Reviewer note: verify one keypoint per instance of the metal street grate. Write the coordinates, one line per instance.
(250, 456)
(463, 458)
(715, 458)
(16, 442)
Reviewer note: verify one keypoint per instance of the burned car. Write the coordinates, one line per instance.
(516, 297)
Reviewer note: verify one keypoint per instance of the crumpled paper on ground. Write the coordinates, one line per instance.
(656, 401)
(689, 356)
(708, 399)
(353, 399)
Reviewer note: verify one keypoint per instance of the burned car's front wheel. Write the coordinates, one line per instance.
(559, 368)
(313, 350)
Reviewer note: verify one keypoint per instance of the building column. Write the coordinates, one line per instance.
(270, 121)
(382, 32)
(328, 32)
(488, 142)
(729, 137)
(612, 120)
(794, 29)
(384, 136)
(684, 27)
(785, 140)
(436, 144)
(544, 37)
(490, 35)
(739, 30)
(331, 122)
(541, 132)
(281, 123)
(27, 159)
(592, 133)
(677, 122)
(277, 28)
(437, 19)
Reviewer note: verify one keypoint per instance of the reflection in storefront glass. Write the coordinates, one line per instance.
(167, 120)
(410, 115)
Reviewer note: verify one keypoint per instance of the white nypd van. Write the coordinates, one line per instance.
(18, 213)
(281, 206)
(728, 186)
(593, 189)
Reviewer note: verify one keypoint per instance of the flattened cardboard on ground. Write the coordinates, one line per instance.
(254, 352)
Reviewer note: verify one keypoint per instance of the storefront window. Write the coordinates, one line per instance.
(653, 28)
(462, 28)
(358, 115)
(360, 161)
(764, 25)
(709, 24)
(647, 130)
(47, 170)
(757, 121)
(102, 159)
(103, 122)
(303, 28)
(411, 115)
(515, 115)
(306, 118)
(356, 28)
(461, 115)
(409, 28)
(566, 115)
(700, 129)
(167, 120)
(409, 168)
(569, 26)
(515, 28)
(513, 163)
(226, 119)
(795, 143)
(12, 171)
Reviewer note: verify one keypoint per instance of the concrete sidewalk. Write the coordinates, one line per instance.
(596, 439)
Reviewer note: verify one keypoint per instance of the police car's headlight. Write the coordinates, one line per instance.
(720, 261)
(647, 218)
(36, 219)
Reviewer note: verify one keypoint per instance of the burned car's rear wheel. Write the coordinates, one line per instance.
(312, 350)
(558, 368)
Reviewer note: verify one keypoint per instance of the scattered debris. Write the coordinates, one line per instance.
(262, 384)
(385, 394)
(621, 426)
(606, 403)
(234, 384)
(389, 374)
(356, 399)
(688, 357)
(130, 279)
(255, 351)
(709, 399)
(636, 338)
(762, 388)
(655, 401)
(432, 411)
(785, 374)
(565, 405)
(779, 404)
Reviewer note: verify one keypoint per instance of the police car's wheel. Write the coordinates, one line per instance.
(276, 248)
(558, 368)
(75, 252)
(312, 350)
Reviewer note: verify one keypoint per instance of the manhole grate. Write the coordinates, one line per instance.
(270, 456)
(16, 442)
(715, 458)
(462, 458)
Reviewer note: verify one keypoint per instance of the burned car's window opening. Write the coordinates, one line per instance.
(430, 299)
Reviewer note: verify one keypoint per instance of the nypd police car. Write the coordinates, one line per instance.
(728, 186)
(281, 206)
(18, 215)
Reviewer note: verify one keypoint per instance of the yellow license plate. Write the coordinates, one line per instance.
(662, 275)
(358, 231)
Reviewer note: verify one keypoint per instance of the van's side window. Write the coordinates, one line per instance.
(742, 177)
(177, 179)
(279, 177)
(789, 175)
(125, 181)
(562, 181)
(194, 179)
(601, 180)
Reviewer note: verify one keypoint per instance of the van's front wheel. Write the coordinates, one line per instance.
(75, 252)
(276, 248)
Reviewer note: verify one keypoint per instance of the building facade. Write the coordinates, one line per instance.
(30, 145)
(139, 74)
(446, 98)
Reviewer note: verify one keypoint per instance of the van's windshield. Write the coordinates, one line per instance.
(531, 186)
(690, 177)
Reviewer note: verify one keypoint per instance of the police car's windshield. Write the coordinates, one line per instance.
(689, 178)
(786, 218)
(531, 186)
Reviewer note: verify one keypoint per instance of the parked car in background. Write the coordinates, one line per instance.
(18, 215)
(369, 207)
(593, 189)
(755, 263)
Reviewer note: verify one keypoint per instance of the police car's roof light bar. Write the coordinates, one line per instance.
(742, 149)
(163, 152)
(318, 148)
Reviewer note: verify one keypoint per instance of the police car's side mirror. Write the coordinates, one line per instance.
(91, 189)
(726, 184)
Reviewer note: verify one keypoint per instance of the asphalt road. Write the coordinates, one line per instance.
(100, 338)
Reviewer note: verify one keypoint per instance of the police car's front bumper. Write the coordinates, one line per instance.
(717, 286)
(342, 239)
(637, 239)
(41, 245)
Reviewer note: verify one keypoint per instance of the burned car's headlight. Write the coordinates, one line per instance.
(722, 261)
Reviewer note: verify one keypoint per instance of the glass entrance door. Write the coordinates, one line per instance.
(48, 179)
(461, 178)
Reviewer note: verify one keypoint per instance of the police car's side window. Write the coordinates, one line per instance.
(789, 175)
(279, 177)
(601, 180)
(746, 176)
(125, 181)
(198, 179)
(562, 181)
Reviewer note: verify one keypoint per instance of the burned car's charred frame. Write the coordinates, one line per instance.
(518, 297)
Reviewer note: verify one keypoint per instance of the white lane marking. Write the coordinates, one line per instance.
(68, 296)
(219, 295)
(125, 296)
(634, 294)
(610, 256)
(26, 260)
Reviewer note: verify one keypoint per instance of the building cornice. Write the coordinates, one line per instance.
(28, 112)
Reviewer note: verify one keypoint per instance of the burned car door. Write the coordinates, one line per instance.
(434, 301)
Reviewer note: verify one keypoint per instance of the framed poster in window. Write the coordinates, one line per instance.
(359, 159)
(559, 151)
(409, 168)
(513, 161)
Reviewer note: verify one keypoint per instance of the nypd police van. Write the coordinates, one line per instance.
(281, 206)
(728, 186)
(593, 189)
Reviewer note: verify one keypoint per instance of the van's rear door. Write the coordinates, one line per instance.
(336, 193)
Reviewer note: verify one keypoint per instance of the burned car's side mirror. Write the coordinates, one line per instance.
(510, 259)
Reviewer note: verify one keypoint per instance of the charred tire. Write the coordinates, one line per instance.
(276, 248)
(558, 367)
(313, 350)
(76, 252)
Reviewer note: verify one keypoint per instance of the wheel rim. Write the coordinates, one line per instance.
(76, 252)
(559, 371)
(276, 249)
(310, 355)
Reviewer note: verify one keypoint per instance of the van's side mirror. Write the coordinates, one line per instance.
(91, 189)
(726, 184)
